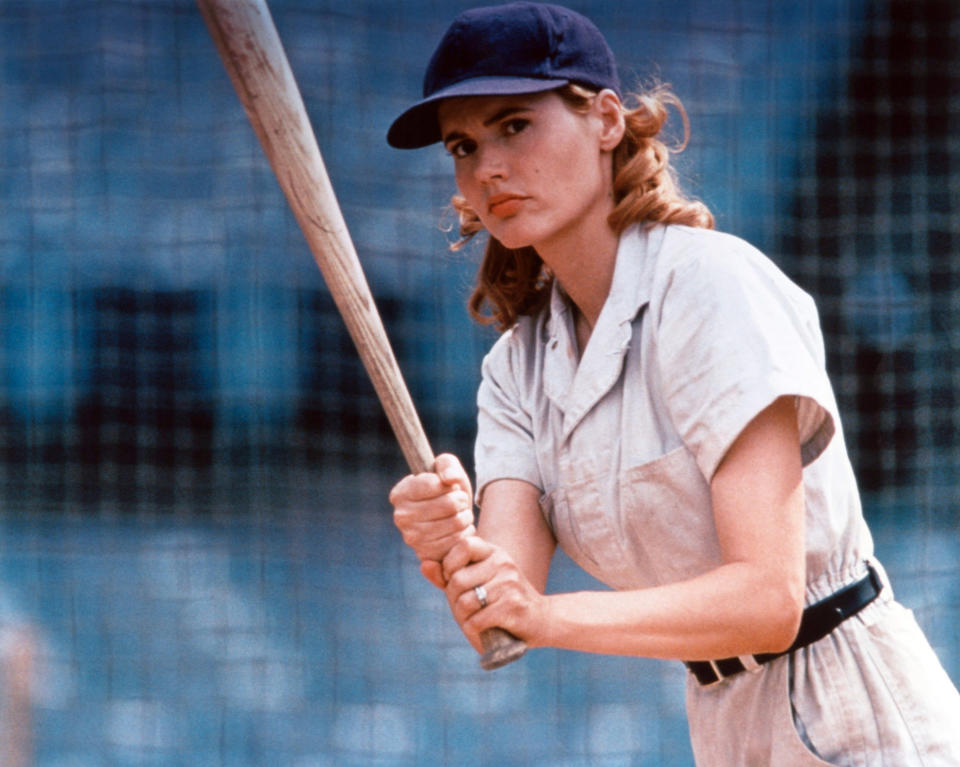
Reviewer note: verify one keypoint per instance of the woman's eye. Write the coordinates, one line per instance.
(515, 126)
(462, 148)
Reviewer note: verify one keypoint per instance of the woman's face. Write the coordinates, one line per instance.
(532, 168)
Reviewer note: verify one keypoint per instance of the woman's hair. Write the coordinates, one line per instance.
(512, 283)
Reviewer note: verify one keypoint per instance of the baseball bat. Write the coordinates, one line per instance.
(251, 50)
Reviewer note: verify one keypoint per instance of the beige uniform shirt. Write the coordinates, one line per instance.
(700, 332)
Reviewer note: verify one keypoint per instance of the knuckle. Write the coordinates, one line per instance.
(438, 547)
(457, 582)
(447, 460)
(447, 505)
(503, 561)
(449, 541)
(402, 521)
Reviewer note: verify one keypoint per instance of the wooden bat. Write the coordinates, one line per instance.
(253, 55)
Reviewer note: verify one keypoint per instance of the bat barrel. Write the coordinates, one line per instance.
(257, 64)
(253, 55)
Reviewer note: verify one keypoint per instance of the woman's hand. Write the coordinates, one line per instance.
(512, 602)
(433, 511)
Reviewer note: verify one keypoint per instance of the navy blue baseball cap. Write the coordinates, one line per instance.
(502, 50)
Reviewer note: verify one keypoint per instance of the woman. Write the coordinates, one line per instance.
(658, 406)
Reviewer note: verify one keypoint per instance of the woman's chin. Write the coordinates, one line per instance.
(512, 241)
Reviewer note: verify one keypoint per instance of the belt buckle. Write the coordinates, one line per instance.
(729, 667)
(716, 672)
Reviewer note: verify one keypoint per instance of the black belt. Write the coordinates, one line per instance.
(818, 620)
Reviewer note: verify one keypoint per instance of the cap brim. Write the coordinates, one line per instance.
(418, 126)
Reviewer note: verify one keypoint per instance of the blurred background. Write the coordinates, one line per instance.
(197, 560)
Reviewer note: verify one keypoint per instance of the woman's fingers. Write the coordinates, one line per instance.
(485, 588)
(433, 539)
(443, 514)
(448, 475)
(472, 570)
(425, 488)
(451, 473)
(466, 550)
(433, 572)
(432, 514)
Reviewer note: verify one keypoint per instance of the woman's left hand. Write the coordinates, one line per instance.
(512, 602)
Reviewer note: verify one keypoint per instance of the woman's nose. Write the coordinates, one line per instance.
(491, 164)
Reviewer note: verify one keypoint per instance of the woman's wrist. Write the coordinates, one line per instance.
(557, 626)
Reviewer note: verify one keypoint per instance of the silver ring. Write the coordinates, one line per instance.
(481, 593)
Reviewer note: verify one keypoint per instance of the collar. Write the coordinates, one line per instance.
(575, 388)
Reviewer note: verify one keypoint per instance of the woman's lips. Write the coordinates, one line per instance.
(503, 205)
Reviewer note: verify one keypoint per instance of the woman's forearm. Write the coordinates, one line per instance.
(735, 609)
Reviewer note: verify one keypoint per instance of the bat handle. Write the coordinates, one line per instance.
(500, 648)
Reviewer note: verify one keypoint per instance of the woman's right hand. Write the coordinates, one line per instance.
(433, 511)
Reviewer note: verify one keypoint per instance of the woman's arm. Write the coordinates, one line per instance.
(752, 603)
(511, 519)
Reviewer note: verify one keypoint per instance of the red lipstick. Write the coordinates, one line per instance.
(505, 204)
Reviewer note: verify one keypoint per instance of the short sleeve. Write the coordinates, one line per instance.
(733, 335)
(505, 441)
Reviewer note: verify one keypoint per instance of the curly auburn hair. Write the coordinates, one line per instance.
(512, 283)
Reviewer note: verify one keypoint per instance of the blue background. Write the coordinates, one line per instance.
(195, 544)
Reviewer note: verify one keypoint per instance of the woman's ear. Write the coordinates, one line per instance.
(609, 109)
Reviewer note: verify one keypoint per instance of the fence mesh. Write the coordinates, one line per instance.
(197, 564)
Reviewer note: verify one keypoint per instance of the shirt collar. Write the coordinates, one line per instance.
(576, 388)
